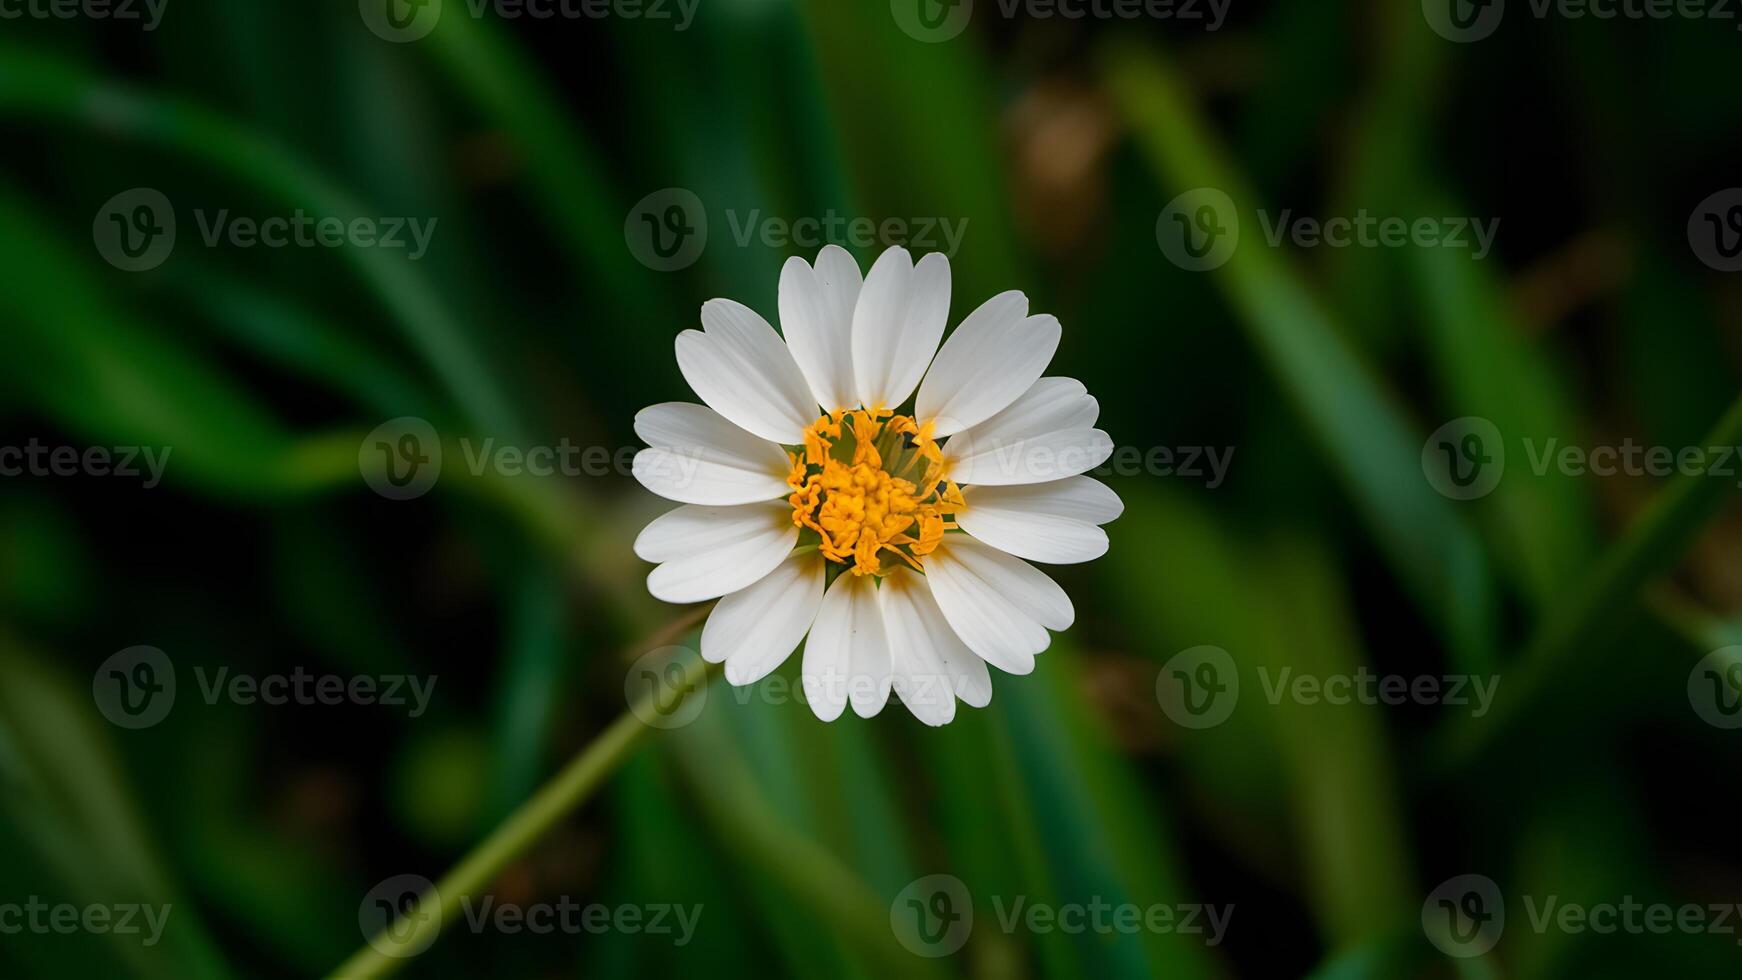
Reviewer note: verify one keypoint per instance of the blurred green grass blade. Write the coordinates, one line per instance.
(766, 842)
(65, 789)
(663, 857)
(36, 85)
(486, 67)
(93, 369)
(273, 885)
(1276, 605)
(1595, 608)
(529, 685)
(1389, 146)
(1357, 424)
(1403, 953)
(277, 329)
(1489, 367)
(1097, 828)
(1348, 810)
(919, 128)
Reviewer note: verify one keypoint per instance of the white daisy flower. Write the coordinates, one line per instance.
(816, 503)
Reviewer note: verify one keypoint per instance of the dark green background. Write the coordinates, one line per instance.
(531, 321)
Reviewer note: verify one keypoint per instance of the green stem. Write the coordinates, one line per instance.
(415, 929)
(1651, 547)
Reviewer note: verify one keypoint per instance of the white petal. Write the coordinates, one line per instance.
(1048, 404)
(900, 317)
(743, 370)
(697, 457)
(816, 314)
(847, 655)
(991, 618)
(1036, 537)
(1077, 498)
(1039, 458)
(707, 552)
(930, 661)
(1029, 588)
(1046, 434)
(754, 629)
(993, 357)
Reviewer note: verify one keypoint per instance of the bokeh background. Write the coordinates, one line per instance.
(1056, 144)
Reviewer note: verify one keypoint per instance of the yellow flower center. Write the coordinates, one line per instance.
(867, 484)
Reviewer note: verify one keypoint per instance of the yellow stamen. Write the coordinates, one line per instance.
(871, 504)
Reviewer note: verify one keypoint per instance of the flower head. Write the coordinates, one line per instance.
(818, 502)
